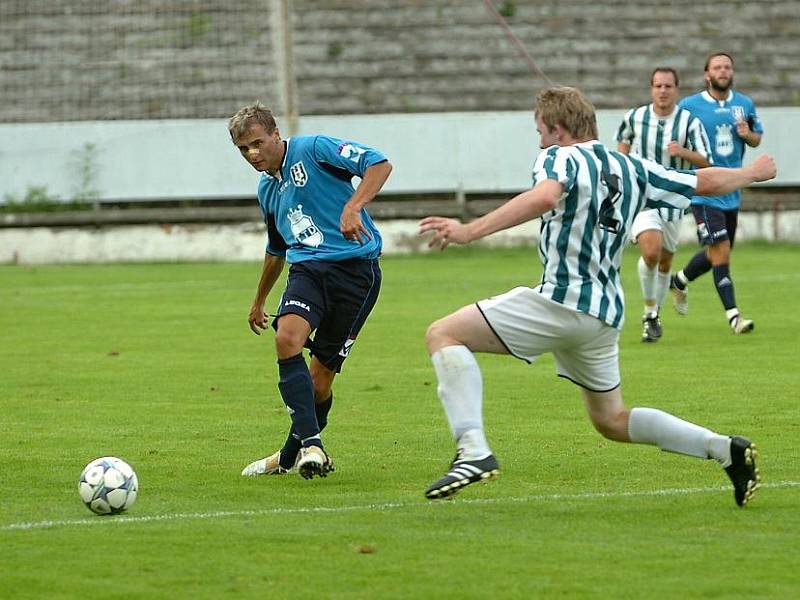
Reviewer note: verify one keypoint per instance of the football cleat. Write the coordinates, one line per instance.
(680, 297)
(266, 466)
(742, 470)
(741, 325)
(652, 328)
(313, 461)
(462, 473)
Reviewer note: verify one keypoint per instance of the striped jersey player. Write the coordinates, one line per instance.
(587, 197)
(671, 136)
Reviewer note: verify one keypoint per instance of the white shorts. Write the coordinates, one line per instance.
(651, 219)
(585, 348)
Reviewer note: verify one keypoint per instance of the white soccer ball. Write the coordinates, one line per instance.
(108, 486)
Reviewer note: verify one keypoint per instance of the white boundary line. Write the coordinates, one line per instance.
(128, 520)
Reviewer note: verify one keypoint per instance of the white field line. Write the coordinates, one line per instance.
(131, 520)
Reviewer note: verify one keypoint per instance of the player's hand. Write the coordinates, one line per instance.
(352, 228)
(257, 319)
(763, 168)
(674, 148)
(445, 232)
(742, 128)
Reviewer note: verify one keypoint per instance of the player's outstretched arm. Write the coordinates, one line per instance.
(716, 181)
(528, 205)
(257, 319)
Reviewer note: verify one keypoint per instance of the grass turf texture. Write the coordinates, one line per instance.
(156, 364)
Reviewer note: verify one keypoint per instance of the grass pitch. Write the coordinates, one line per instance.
(156, 364)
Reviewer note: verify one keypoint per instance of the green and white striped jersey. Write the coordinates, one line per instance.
(582, 239)
(649, 135)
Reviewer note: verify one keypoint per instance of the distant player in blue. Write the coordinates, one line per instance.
(316, 221)
(731, 123)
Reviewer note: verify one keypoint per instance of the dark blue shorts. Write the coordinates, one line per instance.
(336, 299)
(715, 225)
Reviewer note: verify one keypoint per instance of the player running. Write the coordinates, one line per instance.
(587, 197)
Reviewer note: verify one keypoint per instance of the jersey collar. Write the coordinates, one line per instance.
(709, 98)
(279, 175)
(664, 117)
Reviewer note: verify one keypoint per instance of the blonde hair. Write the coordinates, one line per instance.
(247, 116)
(568, 107)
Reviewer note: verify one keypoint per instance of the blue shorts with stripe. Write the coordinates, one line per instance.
(335, 298)
(715, 225)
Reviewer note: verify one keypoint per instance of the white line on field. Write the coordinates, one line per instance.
(130, 520)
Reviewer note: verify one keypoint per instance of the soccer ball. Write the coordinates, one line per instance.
(108, 486)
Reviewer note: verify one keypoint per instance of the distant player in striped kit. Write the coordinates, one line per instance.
(672, 137)
(732, 124)
(587, 197)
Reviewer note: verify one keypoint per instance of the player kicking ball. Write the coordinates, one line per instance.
(587, 197)
(317, 222)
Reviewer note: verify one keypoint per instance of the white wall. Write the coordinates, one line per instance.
(194, 159)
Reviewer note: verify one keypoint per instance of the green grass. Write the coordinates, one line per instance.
(156, 364)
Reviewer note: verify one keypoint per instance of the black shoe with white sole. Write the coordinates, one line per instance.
(462, 473)
(652, 328)
(743, 471)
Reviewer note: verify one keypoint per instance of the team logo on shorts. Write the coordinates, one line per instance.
(345, 351)
(298, 173)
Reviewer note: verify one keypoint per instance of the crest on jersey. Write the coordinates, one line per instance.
(298, 174)
(724, 140)
(304, 229)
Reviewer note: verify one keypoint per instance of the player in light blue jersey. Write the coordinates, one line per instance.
(672, 137)
(587, 197)
(732, 124)
(317, 222)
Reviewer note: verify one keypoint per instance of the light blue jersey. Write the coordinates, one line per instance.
(303, 205)
(719, 119)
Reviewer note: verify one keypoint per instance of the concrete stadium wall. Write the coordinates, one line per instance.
(245, 241)
(195, 160)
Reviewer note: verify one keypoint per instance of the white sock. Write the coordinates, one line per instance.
(647, 279)
(461, 392)
(662, 286)
(655, 427)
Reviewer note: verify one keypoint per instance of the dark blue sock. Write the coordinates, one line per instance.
(292, 444)
(724, 285)
(697, 265)
(297, 391)
(290, 449)
(322, 410)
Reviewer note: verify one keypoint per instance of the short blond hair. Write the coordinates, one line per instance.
(247, 116)
(568, 107)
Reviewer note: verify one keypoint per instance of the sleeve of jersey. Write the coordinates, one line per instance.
(276, 245)
(625, 131)
(351, 156)
(699, 139)
(668, 188)
(554, 163)
(754, 121)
